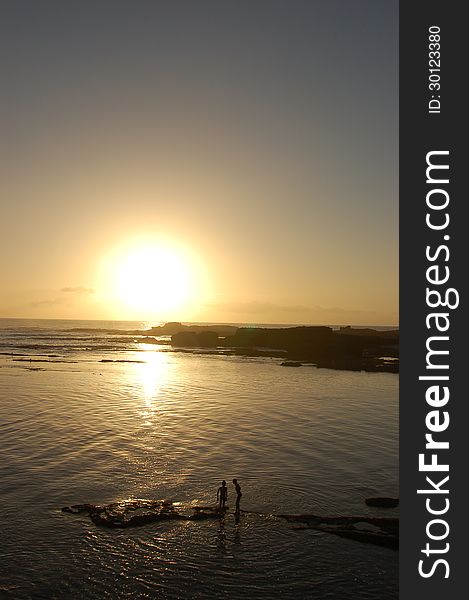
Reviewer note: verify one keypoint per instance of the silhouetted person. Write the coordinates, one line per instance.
(222, 495)
(238, 495)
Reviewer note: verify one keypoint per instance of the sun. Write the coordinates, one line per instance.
(153, 279)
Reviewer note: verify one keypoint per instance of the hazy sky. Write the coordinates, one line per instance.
(256, 138)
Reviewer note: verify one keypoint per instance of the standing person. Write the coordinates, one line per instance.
(222, 495)
(238, 494)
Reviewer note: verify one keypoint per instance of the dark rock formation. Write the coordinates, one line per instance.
(302, 339)
(372, 530)
(356, 350)
(175, 327)
(207, 339)
(110, 360)
(291, 363)
(389, 334)
(204, 339)
(383, 502)
(184, 339)
(137, 512)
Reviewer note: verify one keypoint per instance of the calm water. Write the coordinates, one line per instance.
(74, 429)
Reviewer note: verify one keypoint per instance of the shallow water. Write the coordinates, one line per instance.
(299, 440)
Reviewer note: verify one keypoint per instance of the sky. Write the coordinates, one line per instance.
(208, 160)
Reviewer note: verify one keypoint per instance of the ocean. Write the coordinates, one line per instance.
(152, 423)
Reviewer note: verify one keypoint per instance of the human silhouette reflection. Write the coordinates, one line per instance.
(221, 542)
(236, 538)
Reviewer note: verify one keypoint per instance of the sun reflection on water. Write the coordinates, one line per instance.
(152, 375)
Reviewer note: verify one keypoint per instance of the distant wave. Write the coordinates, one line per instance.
(104, 330)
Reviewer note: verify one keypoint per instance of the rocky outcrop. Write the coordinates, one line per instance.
(302, 339)
(184, 339)
(137, 512)
(389, 334)
(207, 339)
(204, 339)
(176, 327)
(322, 346)
(381, 531)
(382, 502)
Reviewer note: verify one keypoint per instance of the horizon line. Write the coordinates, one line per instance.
(233, 323)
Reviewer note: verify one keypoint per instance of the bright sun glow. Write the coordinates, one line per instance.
(154, 279)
